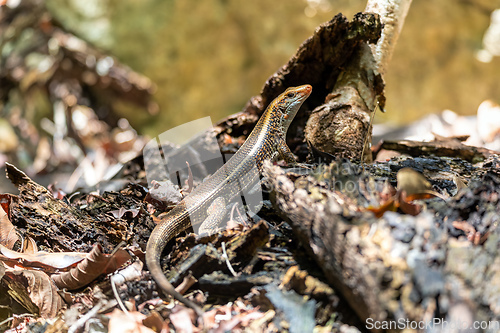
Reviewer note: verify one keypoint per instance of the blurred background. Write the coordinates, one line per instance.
(139, 68)
(208, 58)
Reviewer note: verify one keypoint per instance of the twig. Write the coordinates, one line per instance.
(118, 299)
(12, 318)
(227, 260)
(80, 322)
(186, 283)
(130, 272)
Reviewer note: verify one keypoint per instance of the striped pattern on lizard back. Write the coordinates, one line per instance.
(265, 142)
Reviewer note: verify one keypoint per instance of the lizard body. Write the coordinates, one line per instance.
(266, 141)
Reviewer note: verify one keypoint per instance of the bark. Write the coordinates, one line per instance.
(400, 267)
(342, 126)
(319, 61)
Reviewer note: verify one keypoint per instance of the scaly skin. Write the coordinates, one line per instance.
(266, 142)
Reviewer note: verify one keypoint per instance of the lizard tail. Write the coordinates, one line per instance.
(153, 252)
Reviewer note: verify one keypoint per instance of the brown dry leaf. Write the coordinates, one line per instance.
(5, 200)
(50, 262)
(119, 322)
(122, 211)
(412, 181)
(415, 186)
(8, 235)
(411, 186)
(90, 268)
(405, 204)
(228, 318)
(156, 323)
(182, 319)
(389, 206)
(30, 246)
(422, 196)
(42, 290)
(399, 200)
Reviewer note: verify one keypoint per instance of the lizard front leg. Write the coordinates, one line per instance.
(286, 153)
(288, 156)
(215, 214)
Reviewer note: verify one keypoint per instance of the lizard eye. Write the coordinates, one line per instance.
(290, 94)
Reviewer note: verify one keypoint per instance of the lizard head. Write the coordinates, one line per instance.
(290, 102)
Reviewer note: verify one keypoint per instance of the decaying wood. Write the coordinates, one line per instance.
(450, 148)
(54, 224)
(206, 258)
(401, 267)
(342, 125)
(319, 61)
(321, 229)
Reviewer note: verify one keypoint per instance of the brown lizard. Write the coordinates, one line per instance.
(265, 142)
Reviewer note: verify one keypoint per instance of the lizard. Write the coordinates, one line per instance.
(266, 141)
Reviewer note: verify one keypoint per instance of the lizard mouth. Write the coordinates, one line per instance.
(305, 90)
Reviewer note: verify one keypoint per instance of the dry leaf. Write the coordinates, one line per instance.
(8, 235)
(30, 246)
(51, 262)
(405, 204)
(42, 290)
(156, 323)
(182, 317)
(411, 186)
(389, 206)
(90, 268)
(412, 181)
(5, 200)
(122, 211)
(416, 186)
(119, 322)
(459, 183)
(163, 194)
